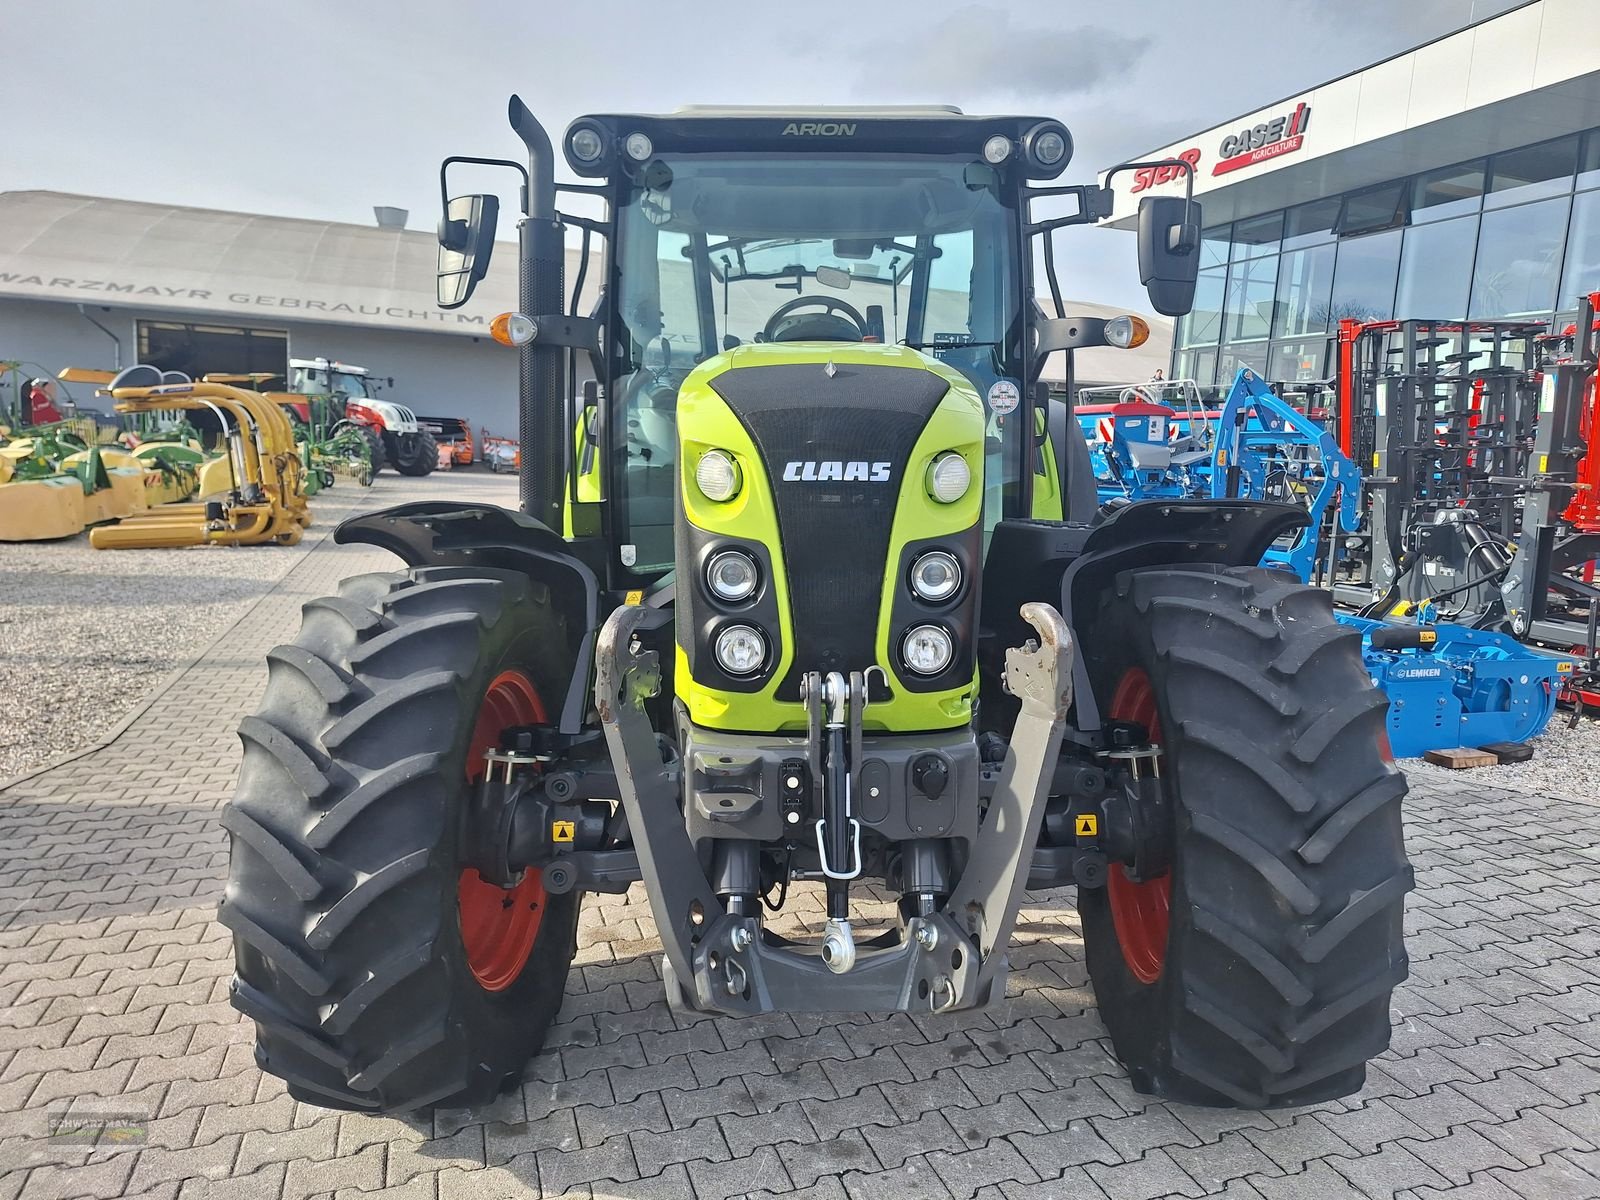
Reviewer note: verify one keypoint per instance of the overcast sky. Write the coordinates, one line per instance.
(323, 108)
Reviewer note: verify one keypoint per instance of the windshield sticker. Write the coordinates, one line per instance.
(1003, 397)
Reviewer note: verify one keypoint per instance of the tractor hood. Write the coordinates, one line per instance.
(834, 444)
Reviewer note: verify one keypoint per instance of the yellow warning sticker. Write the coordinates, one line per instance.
(1428, 637)
(636, 596)
(563, 831)
(1086, 825)
(1563, 668)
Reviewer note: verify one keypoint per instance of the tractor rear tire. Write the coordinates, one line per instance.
(381, 975)
(1256, 971)
(423, 460)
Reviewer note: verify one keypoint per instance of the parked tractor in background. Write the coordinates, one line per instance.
(758, 662)
(395, 436)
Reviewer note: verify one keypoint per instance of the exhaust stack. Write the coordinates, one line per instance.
(541, 385)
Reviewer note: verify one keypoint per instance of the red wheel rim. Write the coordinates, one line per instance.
(1140, 912)
(499, 925)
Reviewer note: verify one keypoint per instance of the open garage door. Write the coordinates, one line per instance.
(198, 350)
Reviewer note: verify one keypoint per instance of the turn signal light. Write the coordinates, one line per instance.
(513, 329)
(1126, 332)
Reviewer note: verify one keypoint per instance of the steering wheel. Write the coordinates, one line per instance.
(771, 332)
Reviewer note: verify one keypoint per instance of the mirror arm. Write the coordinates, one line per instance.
(586, 189)
(1037, 227)
(444, 167)
(1188, 181)
(1094, 203)
(1064, 333)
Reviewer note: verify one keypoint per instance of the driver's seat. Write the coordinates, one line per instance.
(815, 327)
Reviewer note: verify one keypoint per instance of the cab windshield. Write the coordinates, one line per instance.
(353, 386)
(719, 251)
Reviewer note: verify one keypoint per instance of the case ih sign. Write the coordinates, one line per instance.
(1270, 139)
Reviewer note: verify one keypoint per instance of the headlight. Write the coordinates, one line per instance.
(717, 475)
(732, 575)
(585, 144)
(948, 477)
(1047, 148)
(997, 149)
(741, 650)
(927, 649)
(1050, 147)
(935, 576)
(638, 147)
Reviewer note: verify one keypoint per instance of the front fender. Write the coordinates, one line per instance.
(433, 533)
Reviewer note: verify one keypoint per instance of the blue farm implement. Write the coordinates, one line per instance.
(1160, 441)
(1452, 686)
(1448, 685)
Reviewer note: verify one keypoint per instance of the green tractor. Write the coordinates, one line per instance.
(808, 588)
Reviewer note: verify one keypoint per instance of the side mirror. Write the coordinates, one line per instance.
(466, 240)
(1169, 252)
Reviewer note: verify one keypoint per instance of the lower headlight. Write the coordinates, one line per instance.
(935, 576)
(732, 575)
(741, 650)
(927, 649)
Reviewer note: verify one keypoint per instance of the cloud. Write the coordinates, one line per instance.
(978, 50)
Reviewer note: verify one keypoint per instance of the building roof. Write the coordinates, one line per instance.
(1520, 77)
(100, 250)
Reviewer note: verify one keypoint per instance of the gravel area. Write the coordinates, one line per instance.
(85, 634)
(1565, 762)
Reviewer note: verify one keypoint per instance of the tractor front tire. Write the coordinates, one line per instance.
(423, 459)
(1256, 971)
(382, 974)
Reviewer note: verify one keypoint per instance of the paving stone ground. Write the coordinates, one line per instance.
(113, 982)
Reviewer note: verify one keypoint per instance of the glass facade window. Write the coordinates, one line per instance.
(1583, 251)
(1589, 161)
(1214, 246)
(1382, 207)
(1198, 365)
(1364, 277)
(1450, 192)
(1298, 361)
(1203, 325)
(1487, 239)
(1436, 269)
(1519, 260)
(1257, 236)
(1305, 287)
(1533, 173)
(1249, 354)
(1250, 294)
(1311, 223)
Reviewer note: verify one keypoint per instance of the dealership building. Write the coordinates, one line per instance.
(1459, 180)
